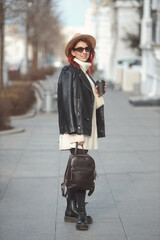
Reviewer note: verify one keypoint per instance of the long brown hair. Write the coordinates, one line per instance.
(90, 59)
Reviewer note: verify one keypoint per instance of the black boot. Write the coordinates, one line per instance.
(82, 218)
(71, 213)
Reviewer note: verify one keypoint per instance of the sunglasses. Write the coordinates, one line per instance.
(81, 49)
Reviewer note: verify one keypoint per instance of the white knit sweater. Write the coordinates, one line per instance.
(68, 141)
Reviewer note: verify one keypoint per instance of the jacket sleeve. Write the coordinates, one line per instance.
(65, 102)
(100, 122)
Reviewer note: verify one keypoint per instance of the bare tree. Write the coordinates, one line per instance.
(7, 11)
(43, 28)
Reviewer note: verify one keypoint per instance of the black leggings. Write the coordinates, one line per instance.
(79, 195)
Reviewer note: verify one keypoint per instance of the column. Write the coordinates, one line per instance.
(146, 38)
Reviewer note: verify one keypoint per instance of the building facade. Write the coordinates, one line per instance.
(150, 45)
(109, 21)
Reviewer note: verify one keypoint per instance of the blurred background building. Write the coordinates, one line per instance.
(150, 46)
(128, 42)
(127, 34)
(114, 22)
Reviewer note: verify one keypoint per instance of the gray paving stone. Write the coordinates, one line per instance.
(146, 143)
(38, 164)
(122, 162)
(28, 209)
(138, 200)
(8, 162)
(116, 144)
(15, 141)
(96, 231)
(137, 186)
(140, 218)
(150, 160)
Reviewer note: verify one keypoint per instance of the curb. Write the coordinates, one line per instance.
(28, 115)
(12, 131)
(31, 114)
(144, 101)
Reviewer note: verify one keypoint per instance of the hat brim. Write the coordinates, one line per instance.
(81, 36)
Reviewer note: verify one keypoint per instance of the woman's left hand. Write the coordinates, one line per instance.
(80, 143)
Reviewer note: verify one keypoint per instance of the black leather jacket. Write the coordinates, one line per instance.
(75, 103)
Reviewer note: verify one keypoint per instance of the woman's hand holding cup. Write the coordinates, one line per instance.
(101, 87)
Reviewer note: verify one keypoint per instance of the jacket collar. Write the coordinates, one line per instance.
(83, 77)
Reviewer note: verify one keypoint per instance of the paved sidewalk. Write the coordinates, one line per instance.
(126, 202)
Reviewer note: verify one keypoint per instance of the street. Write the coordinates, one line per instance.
(126, 201)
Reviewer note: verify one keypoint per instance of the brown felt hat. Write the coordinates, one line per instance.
(79, 36)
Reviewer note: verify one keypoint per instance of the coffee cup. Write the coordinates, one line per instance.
(101, 86)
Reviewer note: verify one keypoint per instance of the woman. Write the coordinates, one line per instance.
(81, 114)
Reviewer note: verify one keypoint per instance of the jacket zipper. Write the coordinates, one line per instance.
(86, 85)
